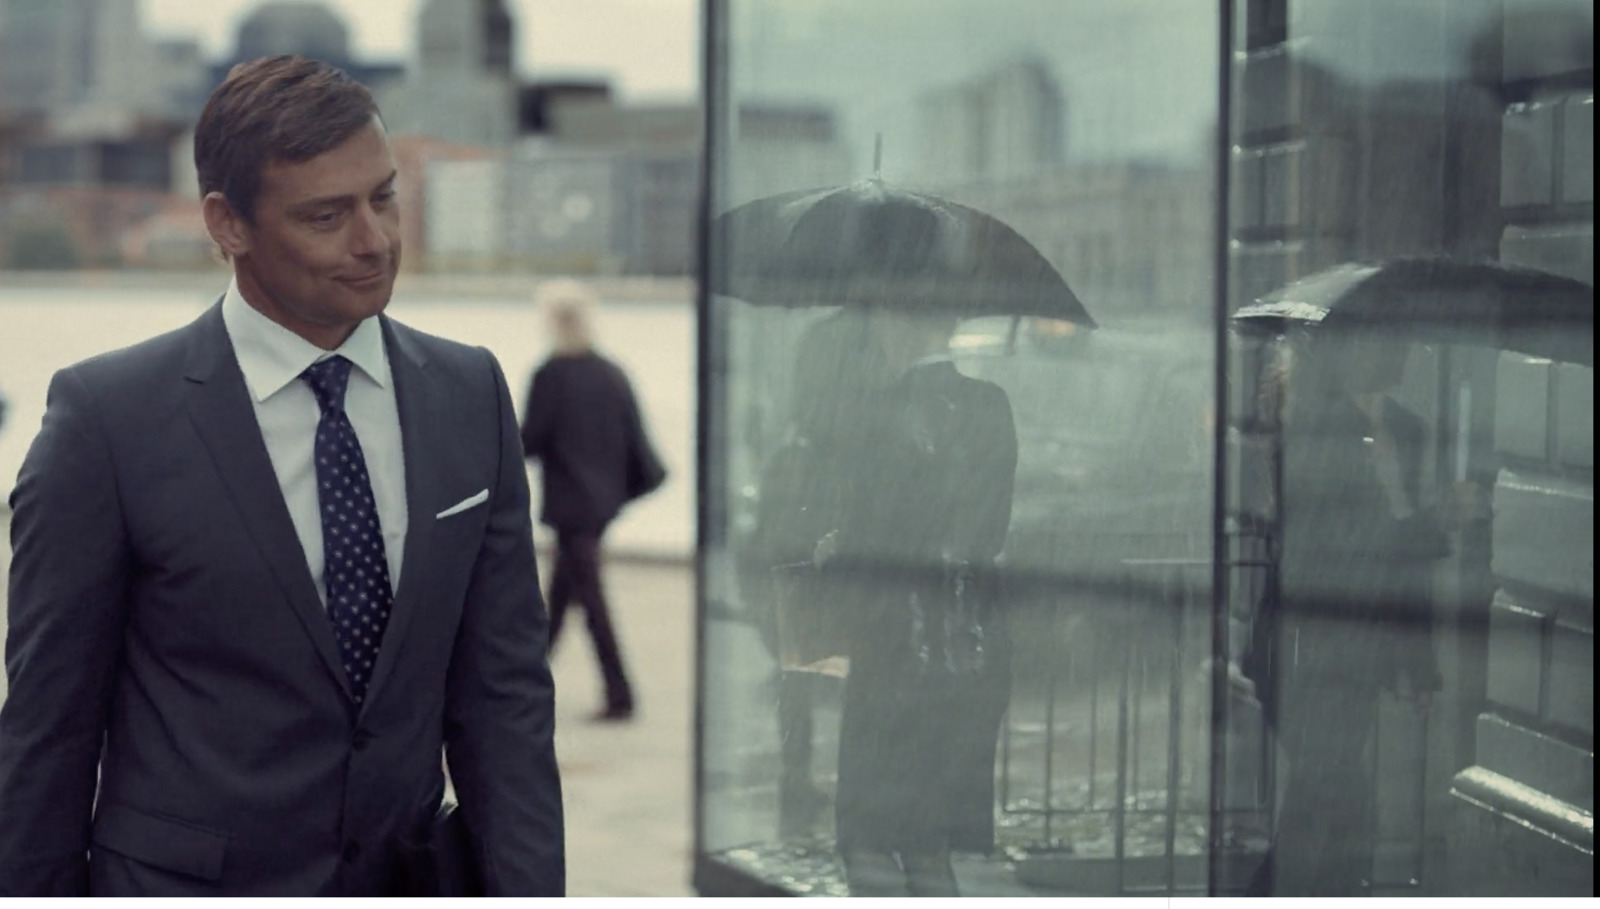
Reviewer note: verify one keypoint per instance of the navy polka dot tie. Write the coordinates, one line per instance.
(355, 573)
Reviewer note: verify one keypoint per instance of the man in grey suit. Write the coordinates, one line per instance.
(267, 566)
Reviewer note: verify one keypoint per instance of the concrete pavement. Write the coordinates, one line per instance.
(627, 787)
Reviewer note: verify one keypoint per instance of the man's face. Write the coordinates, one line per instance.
(324, 247)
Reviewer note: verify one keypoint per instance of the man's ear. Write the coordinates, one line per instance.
(225, 225)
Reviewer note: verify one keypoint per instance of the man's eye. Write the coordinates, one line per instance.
(325, 219)
(384, 198)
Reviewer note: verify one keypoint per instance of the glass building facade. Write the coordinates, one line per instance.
(1163, 464)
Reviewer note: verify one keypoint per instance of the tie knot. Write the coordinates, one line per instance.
(328, 380)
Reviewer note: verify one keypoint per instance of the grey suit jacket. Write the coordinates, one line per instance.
(166, 633)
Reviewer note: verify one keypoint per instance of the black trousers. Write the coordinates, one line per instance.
(576, 579)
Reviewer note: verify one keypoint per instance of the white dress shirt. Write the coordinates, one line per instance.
(272, 358)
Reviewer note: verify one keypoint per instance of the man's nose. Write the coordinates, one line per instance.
(371, 235)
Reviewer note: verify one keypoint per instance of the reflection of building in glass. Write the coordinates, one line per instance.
(1131, 239)
(1006, 124)
(785, 146)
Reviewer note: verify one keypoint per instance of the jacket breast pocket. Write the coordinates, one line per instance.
(170, 845)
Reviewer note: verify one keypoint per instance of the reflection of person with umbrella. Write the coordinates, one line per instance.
(802, 495)
(1351, 614)
(929, 647)
(928, 484)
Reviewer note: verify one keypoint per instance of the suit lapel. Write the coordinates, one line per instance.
(219, 406)
(420, 402)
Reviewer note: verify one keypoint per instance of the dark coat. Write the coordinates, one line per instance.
(583, 426)
(179, 722)
(1350, 603)
(925, 515)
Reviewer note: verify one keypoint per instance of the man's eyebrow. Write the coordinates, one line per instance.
(345, 199)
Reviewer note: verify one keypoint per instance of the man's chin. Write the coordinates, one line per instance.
(369, 299)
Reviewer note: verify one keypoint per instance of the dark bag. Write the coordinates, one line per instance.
(811, 616)
(444, 866)
(645, 471)
(810, 607)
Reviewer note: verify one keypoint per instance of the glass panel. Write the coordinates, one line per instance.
(1412, 494)
(957, 551)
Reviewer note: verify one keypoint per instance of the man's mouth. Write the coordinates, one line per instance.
(372, 279)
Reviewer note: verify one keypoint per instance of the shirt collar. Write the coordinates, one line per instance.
(271, 356)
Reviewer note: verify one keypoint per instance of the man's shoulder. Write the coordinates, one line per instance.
(454, 356)
(132, 366)
(954, 383)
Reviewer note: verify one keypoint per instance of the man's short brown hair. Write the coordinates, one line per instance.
(282, 108)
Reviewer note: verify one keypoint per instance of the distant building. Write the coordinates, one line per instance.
(294, 27)
(465, 228)
(462, 89)
(414, 154)
(629, 174)
(46, 53)
(174, 236)
(617, 195)
(308, 29)
(65, 54)
(1006, 124)
(461, 36)
(563, 216)
(540, 104)
(90, 219)
(181, 67)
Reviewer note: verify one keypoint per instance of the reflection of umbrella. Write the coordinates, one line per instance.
(1442, 300)
(871, 244)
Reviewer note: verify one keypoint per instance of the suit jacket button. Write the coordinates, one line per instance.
(359, 739)
(352, 850)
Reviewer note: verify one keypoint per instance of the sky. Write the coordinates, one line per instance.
(649, 47)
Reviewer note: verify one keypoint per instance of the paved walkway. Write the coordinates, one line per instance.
(628, 786)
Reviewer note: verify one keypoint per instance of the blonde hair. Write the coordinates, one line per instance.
(569, 305)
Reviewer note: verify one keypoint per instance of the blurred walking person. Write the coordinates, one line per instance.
(582, 425)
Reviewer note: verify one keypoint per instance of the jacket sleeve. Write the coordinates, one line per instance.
(645, 472)
(500, 700)
(67, 607)
(989, 453)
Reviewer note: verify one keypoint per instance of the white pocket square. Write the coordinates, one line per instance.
(481, 497)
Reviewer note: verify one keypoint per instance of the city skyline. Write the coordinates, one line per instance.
(649, 49)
